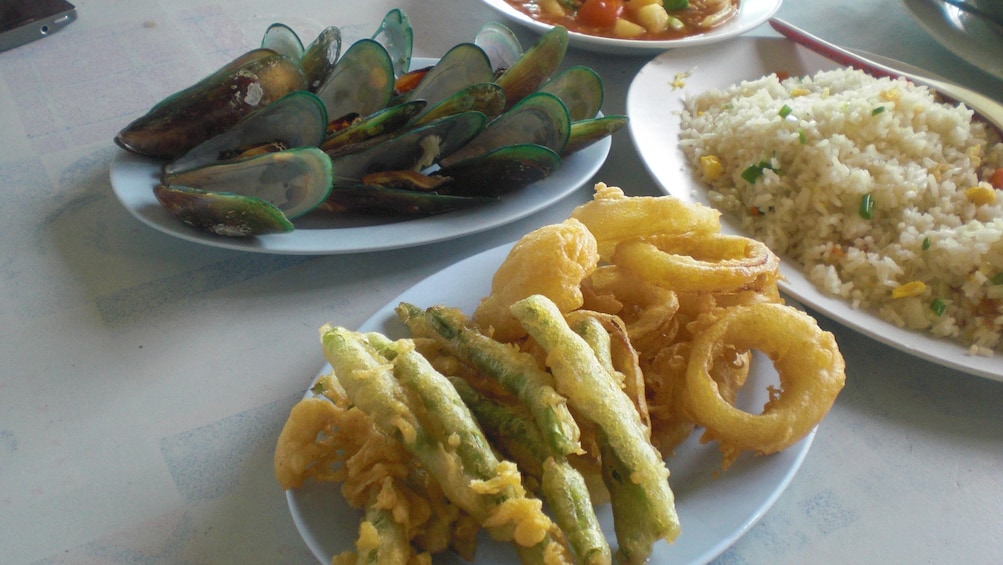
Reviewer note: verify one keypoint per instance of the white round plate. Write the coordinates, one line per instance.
(751, 13)
(715, 508)
(967, 36)
(133, 178)
(654, 106)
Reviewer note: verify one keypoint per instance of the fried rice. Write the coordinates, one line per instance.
(880, 191)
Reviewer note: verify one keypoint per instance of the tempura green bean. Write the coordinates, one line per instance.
(640, 520)
(561, 485)
(516, 371)
(382, 540)
(407, 398)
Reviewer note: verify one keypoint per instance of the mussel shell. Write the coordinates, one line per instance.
(283, 40)
(379, 123)
(384, 201)
(540, 119)
(536, 65)
(212, 105)
(500, 44)
(362, 81)
(320, 57)
(501, 171)
(463, 65)
(296, 120)
(397, 36)
(587, 132)
(581, 90)
(295, 181)
(414, 148)
(486, 97)
(222, 213)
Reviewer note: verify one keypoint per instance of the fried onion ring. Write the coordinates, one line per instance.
(647, 309)
(807, 359)
(299, 454)
(552, 261)
(700, 262)
(613, 217)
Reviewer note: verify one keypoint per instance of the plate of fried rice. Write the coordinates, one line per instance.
(882, 201)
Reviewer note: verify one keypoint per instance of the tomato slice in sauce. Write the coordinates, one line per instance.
(600, 13)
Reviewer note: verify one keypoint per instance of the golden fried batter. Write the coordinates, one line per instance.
(552, 261)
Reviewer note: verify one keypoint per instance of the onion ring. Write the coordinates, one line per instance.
(553, 261)
(613, 217)
(647, 309)
(811, 369)
(702, 262)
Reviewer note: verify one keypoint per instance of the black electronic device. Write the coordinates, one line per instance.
(24, 21)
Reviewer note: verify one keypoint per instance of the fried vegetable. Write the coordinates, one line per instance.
(298, 453)
(700, 262)
(381, 539)
(553, 261)
(811, 372)
(634, 365)
(562, 486)
(634, 472)
(613, 217)
(607, 336)
(411, 401)
(517, 372)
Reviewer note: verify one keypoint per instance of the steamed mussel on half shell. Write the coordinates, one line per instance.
(461, 66)
(298, 119)
(293, 181)
(372, 127)
(499, 171)
(388, 177)
(462, 161)
(581, 89)
(500, 44)
(320, 56)
(361, 83)
(485, 97)
(213, 105)
(586, 132)
(391, 201)
(540, 118)
(222, 213)
(291, 127)
(415, 148)
(535, 67)
(283, 40)
(397, 36)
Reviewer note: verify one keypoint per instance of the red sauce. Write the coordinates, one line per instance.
(596, 17)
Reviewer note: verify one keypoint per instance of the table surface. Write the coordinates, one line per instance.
(144, 379)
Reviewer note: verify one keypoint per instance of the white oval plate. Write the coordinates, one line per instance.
(715, 508)
(654, 108)
(751, 13)
(133, 178)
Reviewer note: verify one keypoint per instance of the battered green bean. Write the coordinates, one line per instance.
(516, 371)
(445, 414)
(561, 485)
(382, 540)
(596, 337)
(631, 464)
(407, 398)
